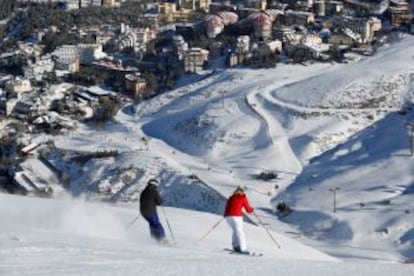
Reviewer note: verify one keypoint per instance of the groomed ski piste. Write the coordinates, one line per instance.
(323, 128)
(66, 237)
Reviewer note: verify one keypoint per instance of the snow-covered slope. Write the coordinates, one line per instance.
(45, 237)
(63, 237)
(321, 126)
(374, 203)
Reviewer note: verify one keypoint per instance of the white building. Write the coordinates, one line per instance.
(194, 59)
(86, 53)
(88, 3)
(365, 27)
(72, 4)
(90, 52)
(312, 39)
(180, 45)
(39, 1)
(136, 39)
(19, 85)
(111, 3)
(39, 68)
(294, 17)
(287, 35)
(215, 22)
(67, 65)
(29, 49)
(274, 46)
(243, 44)
(66, 52)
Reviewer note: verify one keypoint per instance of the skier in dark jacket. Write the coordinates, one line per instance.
(149, 200)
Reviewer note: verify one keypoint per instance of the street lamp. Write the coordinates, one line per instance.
(222, 97)
(334, 190)
(410, 127)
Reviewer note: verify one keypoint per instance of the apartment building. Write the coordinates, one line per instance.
(195, 59)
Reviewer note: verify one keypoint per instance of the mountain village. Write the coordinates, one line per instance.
(49, 86)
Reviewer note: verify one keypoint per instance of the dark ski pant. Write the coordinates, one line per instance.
(157, 231)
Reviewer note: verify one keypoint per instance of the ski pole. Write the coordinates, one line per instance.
(267, 230)
(257, 191)
(168, 224)
(211, 229)
(132, 222)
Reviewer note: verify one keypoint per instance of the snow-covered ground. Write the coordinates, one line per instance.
(320, 127)
(65, 237)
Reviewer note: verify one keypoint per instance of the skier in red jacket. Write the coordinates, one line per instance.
(234, 217)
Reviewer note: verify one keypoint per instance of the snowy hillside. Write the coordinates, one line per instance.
(50, 237)
(318, 127)
(374, 208)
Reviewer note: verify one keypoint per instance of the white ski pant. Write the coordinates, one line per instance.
(238, 237)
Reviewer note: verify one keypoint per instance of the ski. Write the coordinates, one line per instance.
(250, 254)
(408, 261)
(167, 243)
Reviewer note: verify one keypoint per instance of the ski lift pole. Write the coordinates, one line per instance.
(410, 126)
(211, 229)
(168, 224)
(267, 230)
(132, 222)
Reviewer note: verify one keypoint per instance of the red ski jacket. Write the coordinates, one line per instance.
(235, 204)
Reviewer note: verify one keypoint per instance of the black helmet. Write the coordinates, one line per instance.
(239, 189)
(153, 181)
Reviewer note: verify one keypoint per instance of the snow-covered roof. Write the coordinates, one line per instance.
(99, 91)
